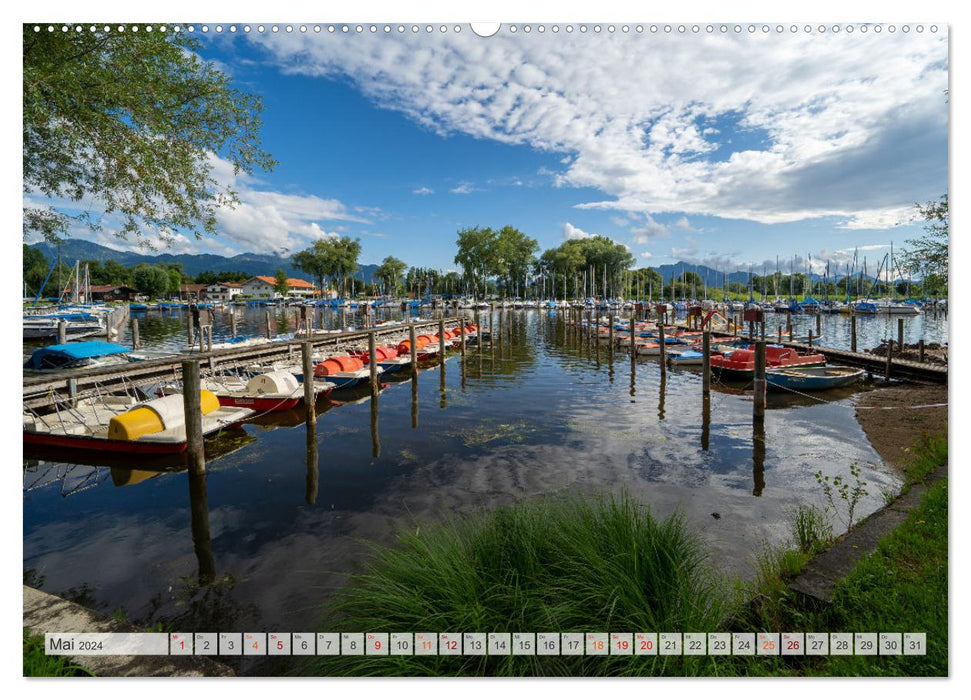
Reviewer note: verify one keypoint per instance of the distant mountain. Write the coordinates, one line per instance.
(251, 263)
(713, 278)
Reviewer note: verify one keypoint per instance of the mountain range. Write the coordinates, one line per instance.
(264, 264)
(72, 249)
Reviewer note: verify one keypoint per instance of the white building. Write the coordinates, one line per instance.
(223, 291)
(262, 287)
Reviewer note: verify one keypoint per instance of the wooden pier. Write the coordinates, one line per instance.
(39, 389)
(877, 364)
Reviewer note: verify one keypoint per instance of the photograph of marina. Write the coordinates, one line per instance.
(436, 350)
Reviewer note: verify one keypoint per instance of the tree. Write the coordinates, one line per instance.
(175, 279)
(328, 258)
(476, 253)
(928, 255)
(131, 120)
(390, 272)
(35, 269)
(151, 280)
(513, 255)
(281, 284)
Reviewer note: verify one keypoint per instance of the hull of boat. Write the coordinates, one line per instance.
(261, 404)
(85, 442)
(813, 379)
(736, 373)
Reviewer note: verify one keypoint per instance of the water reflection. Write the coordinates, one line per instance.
(199, 507)
(662, 386)
(758, 455)
(705, 421)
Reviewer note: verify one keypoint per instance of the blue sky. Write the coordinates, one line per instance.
(722, 148)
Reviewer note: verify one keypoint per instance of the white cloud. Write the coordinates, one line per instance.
(423, 191)
(647, 255)
(463, 188)
(571, 232)
(849, 125)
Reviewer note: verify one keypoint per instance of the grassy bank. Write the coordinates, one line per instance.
(571, 565)
(37, 664)
(549, 566)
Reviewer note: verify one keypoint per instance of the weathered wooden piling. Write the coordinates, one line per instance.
(819, 324)
(191, 331)
(758, 383)
(610, 320)
(663, 348)
(372, 364)
(313, 469)
(269, 328)
(306, 353)
(61, 332)
(705, 421)
(789, 324)
(633, 335)
(209, 339)
(441, 342)
(920, 350)
(706, 363)
(135, 340)
(192, 405)
(889, 359)
(852, 332)
(414, 352)
(375, 439)
(810, 339)
(780, 332)
(462, 339)
(900, 334)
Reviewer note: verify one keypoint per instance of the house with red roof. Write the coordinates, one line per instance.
(263, 287)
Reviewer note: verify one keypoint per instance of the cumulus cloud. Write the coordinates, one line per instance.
(571, 232)
(423, 191)
(850, 125)
(463, 188)
(647, 255)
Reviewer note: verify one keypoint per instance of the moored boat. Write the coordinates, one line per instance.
(153, 427)
(740, 364)
(87, 353)
(272, 391)
(812, 378)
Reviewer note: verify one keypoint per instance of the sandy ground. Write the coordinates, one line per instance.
(894, 433)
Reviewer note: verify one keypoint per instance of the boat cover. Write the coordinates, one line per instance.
(71, 352)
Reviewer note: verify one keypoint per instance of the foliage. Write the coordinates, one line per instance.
(132, 120)
(928, 255)
(38, 664)
(390, 273)
(210, 277)
(849, 494)
(151, 280)
(281, 284)
(476, 254)
(551, 565)
(810, 528)
(590, 255)
(175, 279)
(931, 452)
(330, 258)
(35, 269)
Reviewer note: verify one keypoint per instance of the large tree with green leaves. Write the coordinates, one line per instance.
(152, 280)
(281, 283)
(330, 258)
(131, 121)
(927, 256)
(390, 272)
(476, 254)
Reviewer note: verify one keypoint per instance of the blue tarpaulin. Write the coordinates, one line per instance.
(71, 352)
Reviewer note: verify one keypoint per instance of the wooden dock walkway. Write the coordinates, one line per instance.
(39, 389)
(877, 364)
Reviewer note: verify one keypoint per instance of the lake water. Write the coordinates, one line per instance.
(537, 416)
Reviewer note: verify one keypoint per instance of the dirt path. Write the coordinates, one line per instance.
(894, 433)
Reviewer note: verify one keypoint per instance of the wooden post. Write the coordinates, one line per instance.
(269, 330)
(734, 326)
(232, 325)
(441, 342)
(462, 338)
(191, 330)
(309, 397)
(135, 340)
(372, 364)
(852, 332)
(663, 348)
(610, 320)
(889, 359)
(706, 363)
(900, 334)
(819, 324)
(209, 338)
(633, 332)
(192, 405)
(762, 333)
(414, 352)
(758, 384)
(780, 333)
(61, 332)
(789, 325)
(920, 350)
(810, 338)
(492, 337)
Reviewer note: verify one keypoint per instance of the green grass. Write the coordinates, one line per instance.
(39, 664)
(552, 565)
(929, 453)
(575, 565)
